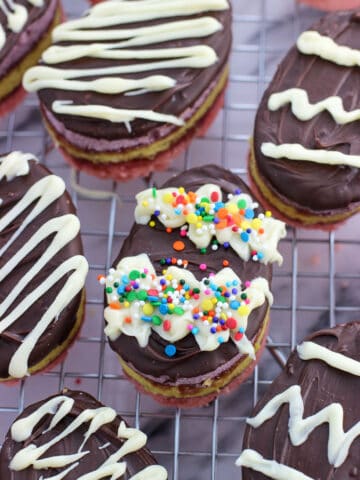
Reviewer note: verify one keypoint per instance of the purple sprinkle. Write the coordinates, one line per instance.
(226, 244)
(234, 291)
(237, 191)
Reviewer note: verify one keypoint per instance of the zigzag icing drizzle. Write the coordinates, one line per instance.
(60, 407)
(203, 215)
(65, 228)
(296, 152)
(304, 110)
(139, 303)
(300, 428)
(16, 16)
(313, 43)
(116, 45)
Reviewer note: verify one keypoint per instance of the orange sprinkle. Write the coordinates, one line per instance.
(218, 328)
(127, 320)
(192, 197)
(100, 277)
(185, 212)
(115, 305)
(261, 231)
(238, 219)
(221, 225)
(222, 213)
(185, 263)
(242, 211)
(226, 263)
(168, 230)
(178, 245)
(196, 310)
(173, 261)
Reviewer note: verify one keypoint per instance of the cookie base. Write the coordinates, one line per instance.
(200, 395)
(288, 213)
(59, 353)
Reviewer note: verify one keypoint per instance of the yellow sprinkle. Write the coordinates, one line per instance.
(148, 309)
(207, 305)
(243, 310)
(232, 208)
(191, 218)
(164, 272)
(152, 224)
(199, 225)
(145, 203)
(126, 304)
(214, 300)
(256, 224)
(268, 213)
(245, 225)
(169, 277)
(181, 190)
(167, 198)
(223, 316)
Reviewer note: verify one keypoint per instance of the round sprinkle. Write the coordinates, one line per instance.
(167, 325)
(244, 236)
(231, 323)
(156, 320)
(203, 267)
(168, 230)
(226, 263)
(152, 224)
(148, 309)
(134, 275)
(170, 350)
(178, 246)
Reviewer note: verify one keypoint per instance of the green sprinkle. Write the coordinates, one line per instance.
(204, 200)
(243, 296)
(116, 284)
(156, 320)
(196, 290)
(134, 275)
(203, 250)
(241, 204)
(131, 296)
(154, 192)
(179, 311)
(108, 289)
(141, 295)
(208, 218)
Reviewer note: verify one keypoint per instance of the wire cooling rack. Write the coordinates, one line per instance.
(316, 286)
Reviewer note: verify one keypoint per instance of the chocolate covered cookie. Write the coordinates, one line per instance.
(73, 436)
(305, 158)
(25, 32)
(125, 88)
(188, 297)
(42, 269)
(307, 426)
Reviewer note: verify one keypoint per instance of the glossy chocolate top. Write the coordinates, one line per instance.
(12, 193)
(191, 83)
(321, 385)
(317, 188)
(32, 26)
(101, 444)
(190, 361)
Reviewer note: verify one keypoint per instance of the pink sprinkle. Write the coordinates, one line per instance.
(146, 270)
(247, 301)
(212, 274)
(183, 233)
(203, 266)
(190, 327)
(247, 284)
(207, 291)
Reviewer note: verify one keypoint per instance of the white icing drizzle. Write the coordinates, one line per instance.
(65, 228)
(296, 152)
(312, 350)
(300, 428)
(304, 110)
(16, 15)
(266, 243)
(313, 43)
(15, 164)
(60, 407)
(272, 469)
(96, 27)
(183, 323)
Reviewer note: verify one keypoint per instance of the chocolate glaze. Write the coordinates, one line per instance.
(135, 461)
(18, 45)
(319, 188)
(190, 84)
(190, 364)
(11, 192)
(321, 385)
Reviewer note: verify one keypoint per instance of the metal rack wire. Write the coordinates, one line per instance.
(315, 287)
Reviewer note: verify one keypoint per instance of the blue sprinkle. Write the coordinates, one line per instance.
(125, 279)
(170, 350)
(186, 287)
(248, 231)
(249, 213)
(242, 330)
(228, 284)
(196, 316)
(244, 237)
(222, 322)
(146, 319)
(168, 261)
(237, 191)
(163, 281)
(216, 220)
(234, 305)
(260, 255)
(153, 299)
(227, 294)
(226, 244)
(120, 290)
(195, 331)
(220, 340)
(157, 213)
(213, 329)
(177, 211)
(163, 309)
(235, 283)
(215, 319)
(234, 291)
(135, 286)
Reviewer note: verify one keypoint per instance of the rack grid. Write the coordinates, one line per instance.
(315, 287)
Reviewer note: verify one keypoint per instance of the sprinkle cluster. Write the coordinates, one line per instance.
(160, 301)
(209, 213)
